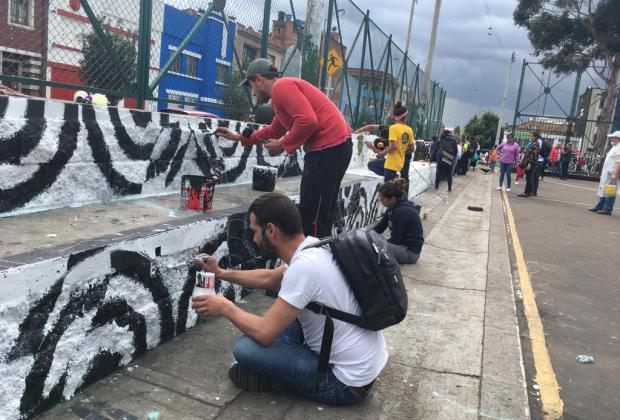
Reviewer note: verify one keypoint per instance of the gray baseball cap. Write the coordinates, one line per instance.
(258, 67)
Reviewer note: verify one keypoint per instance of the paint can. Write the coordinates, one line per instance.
(264, 178)
(197, 192)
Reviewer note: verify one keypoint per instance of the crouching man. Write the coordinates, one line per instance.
(282, 347)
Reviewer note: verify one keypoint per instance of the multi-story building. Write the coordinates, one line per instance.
(68, 22)
(203, 69)
(23, 42)
(248, 46)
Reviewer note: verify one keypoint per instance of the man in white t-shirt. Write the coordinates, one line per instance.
(282, 347)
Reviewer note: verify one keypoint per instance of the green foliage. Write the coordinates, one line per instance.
(310, 62)
(457, 131)
(98, 70)
(236, 101)
(483, 129)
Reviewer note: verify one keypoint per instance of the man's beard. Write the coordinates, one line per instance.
(261, 97)
(267, 249)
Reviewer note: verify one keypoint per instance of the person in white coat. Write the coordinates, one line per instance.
(609, 175)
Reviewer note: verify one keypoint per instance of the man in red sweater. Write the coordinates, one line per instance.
(304, 117)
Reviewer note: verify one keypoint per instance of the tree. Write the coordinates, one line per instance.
(483, 129)
(235, 98)
(99, 71)
(572, 35)
(457, 131)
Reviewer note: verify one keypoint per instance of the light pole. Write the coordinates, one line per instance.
(431, 53)
(505, 97)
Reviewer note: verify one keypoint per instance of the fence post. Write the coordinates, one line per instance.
(144, 50)
(385, 72)
(359, 82)
(573, 108)
(518, 104)
(327, 35)
(264, 45)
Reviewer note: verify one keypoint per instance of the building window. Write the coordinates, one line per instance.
(21, 12)
(249, 54)
(222, 73)
(192, 66)
(176, 65)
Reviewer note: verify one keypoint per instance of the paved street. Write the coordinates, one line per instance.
(457, 355)
(572, 259)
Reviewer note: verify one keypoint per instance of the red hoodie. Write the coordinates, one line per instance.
(310, 118)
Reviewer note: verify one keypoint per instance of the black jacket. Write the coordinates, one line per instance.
(447, 144)
(405, 225)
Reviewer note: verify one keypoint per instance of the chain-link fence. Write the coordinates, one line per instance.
(565, 109)
(190, 55)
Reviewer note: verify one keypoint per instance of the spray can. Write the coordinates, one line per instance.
(205, 285)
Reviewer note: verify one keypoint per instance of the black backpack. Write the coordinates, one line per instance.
(374, 276)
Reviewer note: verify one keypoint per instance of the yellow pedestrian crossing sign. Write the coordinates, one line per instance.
(334, 62)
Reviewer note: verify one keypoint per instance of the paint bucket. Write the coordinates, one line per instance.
(264, 178)
(205, 284)
(609, 190)
(197, 192)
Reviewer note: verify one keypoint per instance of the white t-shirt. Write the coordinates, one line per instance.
(357, 355)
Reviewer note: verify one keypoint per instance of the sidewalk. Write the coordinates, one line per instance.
(457, 355)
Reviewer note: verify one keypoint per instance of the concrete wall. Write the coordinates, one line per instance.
(68, 321)
(54, 154)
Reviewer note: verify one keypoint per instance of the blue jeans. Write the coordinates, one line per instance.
(288, 360)
(505, 169)
(377, 166)
(605, 203)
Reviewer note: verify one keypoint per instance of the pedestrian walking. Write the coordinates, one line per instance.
(609, 178)
(493, 159)
(509, 154)
(304, 117)
(445, 153)
(566, 155)
(520, 170)
(543, 154)
(457, 162)
(529, 164)
(554, 159)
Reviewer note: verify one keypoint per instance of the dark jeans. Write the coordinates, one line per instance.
(403, 254)
(404, 173)
(320, 184)
(505, 170)
(564, 170)
(378, 167)
(529, 181)
(606, 203)
(288, 360)
(443, 170)
(536, 174)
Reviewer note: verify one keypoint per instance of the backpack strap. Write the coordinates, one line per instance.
(328, 329)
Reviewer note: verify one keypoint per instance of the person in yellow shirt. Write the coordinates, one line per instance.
(392, 160)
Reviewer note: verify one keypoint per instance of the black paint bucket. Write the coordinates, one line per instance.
(264, 178)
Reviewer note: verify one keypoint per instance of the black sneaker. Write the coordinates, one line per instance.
(594, 210)
(249, 380)
(605, 212)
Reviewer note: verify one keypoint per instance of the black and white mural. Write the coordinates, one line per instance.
(66, 322)
(56, 154)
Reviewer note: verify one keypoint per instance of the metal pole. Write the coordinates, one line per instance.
(144, 50)
(266, 21)
(573, 109)
(504, 98)
(326, 44)
(518, 104)
(431, 52)
(385, 73)
(359, 82)
(408, 41)
(402, 79)
(216, 6)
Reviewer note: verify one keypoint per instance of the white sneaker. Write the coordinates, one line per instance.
(498, 188)
(508, 190)
(516, 182)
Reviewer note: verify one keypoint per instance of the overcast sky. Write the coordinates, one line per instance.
(468, 62)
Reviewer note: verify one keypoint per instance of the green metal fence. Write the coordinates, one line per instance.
(191, 54)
